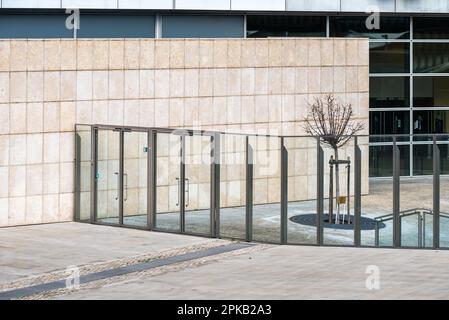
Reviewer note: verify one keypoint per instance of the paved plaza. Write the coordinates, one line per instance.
(37, 254)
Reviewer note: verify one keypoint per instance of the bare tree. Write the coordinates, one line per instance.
(334, 123)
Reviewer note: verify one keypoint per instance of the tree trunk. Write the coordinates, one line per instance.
(337, 185)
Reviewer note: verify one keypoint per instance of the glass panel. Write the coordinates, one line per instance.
(389, 57)
(338, 188)
(430, 121)
(34, 26)
(444, 161)
(389, 122)
(84, 174)
(198, 184)
(168, 165)
(430, 92)
(416, 211)
(381, 161)
(202, 26)
(390, 27)
(233, 186)
(285, 26)
(302, 172)
(116, 26)
(430, 28)
(431, 57)
(423, 158)
(389, 92)
(135, 192)
(108, 176)
(266, 188)
(376, 201)
(444, 200)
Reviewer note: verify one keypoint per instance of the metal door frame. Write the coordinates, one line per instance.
(94, 179)
(214, 180)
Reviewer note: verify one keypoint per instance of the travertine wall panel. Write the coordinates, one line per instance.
(247, 85)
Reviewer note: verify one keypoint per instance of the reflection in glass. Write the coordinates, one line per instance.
(285, 26)
(431, 92)
(389, 57)
(233, 186)
(390, 27)
(423, 159)
(389, 92)
(430, 121)
(198, 184)
(389, 122)
(84, 175)
(381, 161)
(135, 192)
(168, 160)
(107, 175)
(430, 28)
(431, 57)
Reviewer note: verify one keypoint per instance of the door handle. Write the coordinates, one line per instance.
(188, 192)
(179, 191)
(118, 183)
(125, 175)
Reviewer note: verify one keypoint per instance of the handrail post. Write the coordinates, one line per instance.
(151, 178)
(376, 234)
(357, 193)
(396, 195)
(215, 174)
(436, 194)
(249, 190)
(284, 192)
(320, 192)
(420, 229)
(93, 175)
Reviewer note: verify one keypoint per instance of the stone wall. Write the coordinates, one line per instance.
(250, 85)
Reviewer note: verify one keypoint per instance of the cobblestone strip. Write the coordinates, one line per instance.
(101, 266)
(149, 273)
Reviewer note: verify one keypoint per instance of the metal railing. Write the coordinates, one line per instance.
(249, 204)
(421, 223)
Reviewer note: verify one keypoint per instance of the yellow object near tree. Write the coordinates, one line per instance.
(342, 200)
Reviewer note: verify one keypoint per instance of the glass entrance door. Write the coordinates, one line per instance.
(183, 182)
(198, 182)
(120, 185)
(107, 176)
(168, 181)
(135, 178)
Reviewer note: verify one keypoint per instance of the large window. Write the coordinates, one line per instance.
(116, 26)
(431, 92)
(389, 57)
(390, 122)
(381, 160)
(430, 121)
(423, 159)
(390, 27)
(389, 92)
(430, 28)
(187, 26)
(285, 26)
(431, 57)
(34, 26)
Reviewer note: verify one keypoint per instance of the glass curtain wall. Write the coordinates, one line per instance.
(409, 81)
(409, 78)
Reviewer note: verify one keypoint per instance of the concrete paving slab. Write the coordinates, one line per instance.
(31, 250)
(295, 272)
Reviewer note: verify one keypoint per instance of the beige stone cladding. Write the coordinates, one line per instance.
(232, 85)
